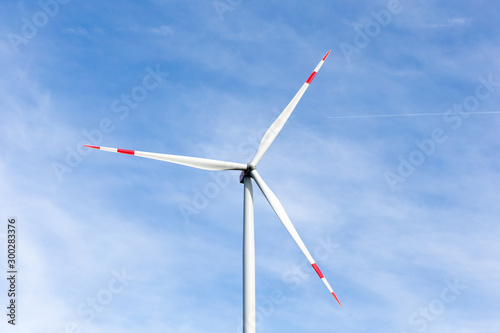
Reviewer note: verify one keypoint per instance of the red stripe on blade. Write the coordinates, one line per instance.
(324, 58)
(311, 77)
(317, 270)
(125, 151)
(95, 147)
(336, 298)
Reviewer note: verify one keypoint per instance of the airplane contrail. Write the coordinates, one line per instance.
(406, 115)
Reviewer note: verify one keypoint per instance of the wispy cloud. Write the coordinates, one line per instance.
(79, 31)
(163, 30)
(452, 22)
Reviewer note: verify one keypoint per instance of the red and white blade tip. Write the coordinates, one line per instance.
(114, 150)
(322, 277)
(326, 55)
(313, 74)
(336, 298)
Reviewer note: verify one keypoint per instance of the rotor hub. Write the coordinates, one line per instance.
(246, 173)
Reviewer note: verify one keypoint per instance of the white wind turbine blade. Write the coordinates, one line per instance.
(278, 124)
(280, 211)
(195, 162)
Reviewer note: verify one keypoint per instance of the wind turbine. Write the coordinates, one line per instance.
(249, 172)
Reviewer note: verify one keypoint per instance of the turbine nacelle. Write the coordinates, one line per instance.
(247, 172)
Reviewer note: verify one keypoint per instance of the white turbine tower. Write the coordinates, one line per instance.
(248, 173)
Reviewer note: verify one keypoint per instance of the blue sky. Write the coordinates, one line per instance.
(401, 213)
